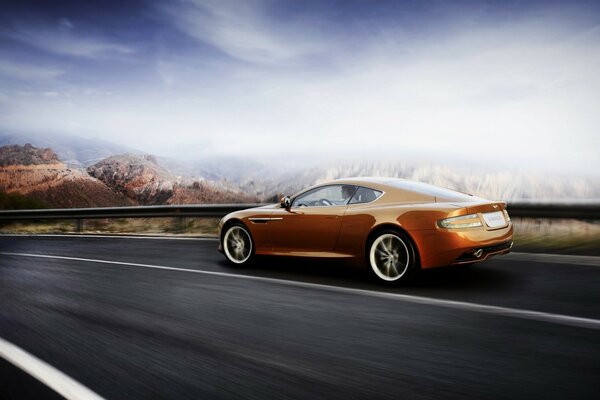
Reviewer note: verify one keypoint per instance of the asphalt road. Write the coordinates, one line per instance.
(136, 332)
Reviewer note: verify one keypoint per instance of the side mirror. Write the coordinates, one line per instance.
(285, 202)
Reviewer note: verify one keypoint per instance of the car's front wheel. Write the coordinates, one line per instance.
(237, 245)
(391, 257)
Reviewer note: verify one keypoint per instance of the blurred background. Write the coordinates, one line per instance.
(201, 102)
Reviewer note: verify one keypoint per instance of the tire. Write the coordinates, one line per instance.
(238, 245)
(391, 257)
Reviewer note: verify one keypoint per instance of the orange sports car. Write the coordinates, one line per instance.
(393, 226)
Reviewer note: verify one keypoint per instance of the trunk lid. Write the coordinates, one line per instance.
(484, 206)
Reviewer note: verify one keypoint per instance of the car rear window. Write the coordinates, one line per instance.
(365, 195)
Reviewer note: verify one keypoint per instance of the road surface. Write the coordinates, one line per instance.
(147, 318)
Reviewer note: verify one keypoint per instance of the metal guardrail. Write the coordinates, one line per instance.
(180, 212)
(588, 211)
(203, 210)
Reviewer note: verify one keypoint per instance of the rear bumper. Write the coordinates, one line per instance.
(441, 247)
(483, 253)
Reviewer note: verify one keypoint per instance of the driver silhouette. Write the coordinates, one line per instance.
(347, 192)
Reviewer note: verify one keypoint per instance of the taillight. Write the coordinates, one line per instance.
(463, 221)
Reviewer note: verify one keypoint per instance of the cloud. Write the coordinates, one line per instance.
(64, 25)
(29, 73)
(242, 30)
(64, 39)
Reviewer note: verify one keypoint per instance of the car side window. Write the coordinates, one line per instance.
(325, 196)
(365, 195)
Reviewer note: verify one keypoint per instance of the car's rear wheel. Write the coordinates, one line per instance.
(391, 257)
(237, 245)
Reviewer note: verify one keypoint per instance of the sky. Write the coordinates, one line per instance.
(498, 82)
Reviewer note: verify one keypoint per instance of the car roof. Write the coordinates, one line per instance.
(375, 182)
(405, 189)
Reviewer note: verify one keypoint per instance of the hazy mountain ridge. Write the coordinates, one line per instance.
(505, 185)
(267, 183)
(27, 155)
(144, 179)
(72, 150)
(43, 178)
(500, 185)
(128, 179)
(139, 178)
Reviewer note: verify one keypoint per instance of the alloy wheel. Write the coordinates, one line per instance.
(389, 257)
(237, 244)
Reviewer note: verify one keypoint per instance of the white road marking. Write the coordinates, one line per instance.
(45, 373)
(462, 305)
(514, 255)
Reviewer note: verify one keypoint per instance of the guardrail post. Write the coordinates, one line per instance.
(79, 225)
(181, 224)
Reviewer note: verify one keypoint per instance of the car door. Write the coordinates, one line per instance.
(313, 221)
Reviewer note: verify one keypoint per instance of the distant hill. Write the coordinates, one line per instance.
(135, 178)
(501, 185)
(505, 185)
(142, 179)
(267, 180)
(32, 177)
(72, 150)
(37, 176)
(138, 177)
(27, 155)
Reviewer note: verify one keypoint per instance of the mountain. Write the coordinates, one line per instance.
(74, 151)
(144, 180)
(267, 180)
(135, 178)
(138, 177)
(32, 177)
(39, 176)
(27, 155)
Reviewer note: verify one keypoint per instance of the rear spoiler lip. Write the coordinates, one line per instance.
(486, 207)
